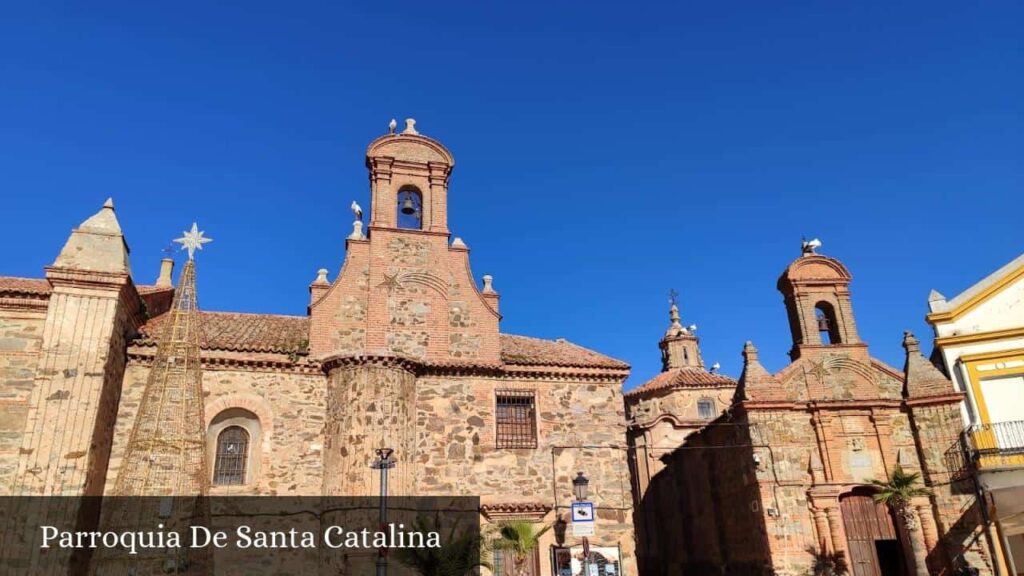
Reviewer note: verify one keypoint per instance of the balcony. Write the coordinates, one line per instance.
(998, 445)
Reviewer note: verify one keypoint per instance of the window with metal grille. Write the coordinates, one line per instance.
(705, 409)
(232, 456)
(516, 419)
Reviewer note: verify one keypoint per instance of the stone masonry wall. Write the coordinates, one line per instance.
(290, 407)
(21, 334)
(954, 503)
(581, 427)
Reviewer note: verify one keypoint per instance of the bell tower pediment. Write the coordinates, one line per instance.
(404, 289)
(409, 181)
(816, 290)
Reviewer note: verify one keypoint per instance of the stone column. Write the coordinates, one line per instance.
(835, 525)
(370, 405)
(929, 530)
(825, 542)
(382, 202)
(436, 212)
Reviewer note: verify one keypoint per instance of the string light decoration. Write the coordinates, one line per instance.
(164, 475)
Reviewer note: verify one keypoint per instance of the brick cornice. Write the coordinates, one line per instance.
(136, 356)
(331, 363)
(396, 230)
(951, 398)
(24, 302)
(66, 277)
(143, 355)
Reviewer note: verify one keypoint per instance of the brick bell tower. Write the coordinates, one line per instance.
(405, 300)
(816, 291)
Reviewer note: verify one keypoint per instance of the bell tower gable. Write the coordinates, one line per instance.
(816, 291)
(409, 181)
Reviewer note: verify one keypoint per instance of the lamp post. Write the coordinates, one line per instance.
(384, 462)
(580, 485)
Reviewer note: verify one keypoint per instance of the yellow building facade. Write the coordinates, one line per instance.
(979, 335)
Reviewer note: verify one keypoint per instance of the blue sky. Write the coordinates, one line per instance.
(605, 151)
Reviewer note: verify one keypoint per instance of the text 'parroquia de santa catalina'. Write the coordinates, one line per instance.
(691, 473)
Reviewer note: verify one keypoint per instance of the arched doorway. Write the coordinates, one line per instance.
(875, 545)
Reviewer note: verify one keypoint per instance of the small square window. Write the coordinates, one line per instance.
(516, 419)
(705, 409)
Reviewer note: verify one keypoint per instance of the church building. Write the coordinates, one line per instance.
(401, 349)
(779, 480)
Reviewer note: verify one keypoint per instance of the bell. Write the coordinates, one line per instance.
(823, 325)
(407, 207)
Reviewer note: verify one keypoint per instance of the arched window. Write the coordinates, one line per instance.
(232, 457)
(825, 316)
(410, 208)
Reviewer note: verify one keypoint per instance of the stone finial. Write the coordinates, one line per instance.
(166, 270)
(488, 284)
(458, 243)
(357, 231)
(410, 126)
(749, 352)
(910, 343)
(922, 378)
(673, 315)
(756, 383)
(321, 276)
(109, 203)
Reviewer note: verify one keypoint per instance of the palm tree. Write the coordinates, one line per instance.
(520, 538)
(461, 553)
(896, 493)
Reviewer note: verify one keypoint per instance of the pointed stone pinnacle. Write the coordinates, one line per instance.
(910, 343)
(749, 352)
(109, 203)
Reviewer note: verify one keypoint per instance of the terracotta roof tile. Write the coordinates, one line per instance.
(289, 334)
(243, 332)
(683, 378)
(14, 285)
(527, 351)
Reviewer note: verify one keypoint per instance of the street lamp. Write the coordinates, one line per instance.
(384, 462)
(579, 486)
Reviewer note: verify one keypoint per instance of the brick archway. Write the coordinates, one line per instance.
(251, 402)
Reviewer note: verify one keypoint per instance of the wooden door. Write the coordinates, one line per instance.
(869, 529)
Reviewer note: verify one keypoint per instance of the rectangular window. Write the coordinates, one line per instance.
(516, 419)
(705, 409)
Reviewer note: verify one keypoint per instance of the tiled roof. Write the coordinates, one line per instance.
(683, 378)
(289, 334)
(24, 285)
(524, 350)
(244, 332)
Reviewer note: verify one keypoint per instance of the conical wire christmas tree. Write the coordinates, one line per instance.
(164, 478)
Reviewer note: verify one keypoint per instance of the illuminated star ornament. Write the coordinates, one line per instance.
(192, 240)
